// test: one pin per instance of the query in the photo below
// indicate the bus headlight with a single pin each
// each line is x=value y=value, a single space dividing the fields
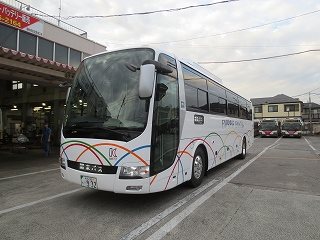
x=134 y=172
x=62 y=162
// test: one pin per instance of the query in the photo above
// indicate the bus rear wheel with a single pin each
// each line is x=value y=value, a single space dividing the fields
x=198 y=168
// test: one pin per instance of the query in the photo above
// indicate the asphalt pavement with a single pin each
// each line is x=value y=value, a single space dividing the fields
x=273 y=194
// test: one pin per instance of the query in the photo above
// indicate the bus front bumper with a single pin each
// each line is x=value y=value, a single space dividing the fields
x=291 y=133
x=106 y=182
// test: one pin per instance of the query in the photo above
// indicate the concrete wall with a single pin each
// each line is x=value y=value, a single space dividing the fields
x=69 y=39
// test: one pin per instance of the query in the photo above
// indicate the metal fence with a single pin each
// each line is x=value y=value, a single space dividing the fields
x=315 y=117
x=44 y=16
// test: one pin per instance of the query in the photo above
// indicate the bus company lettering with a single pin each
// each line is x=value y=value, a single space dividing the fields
x=229 y=123
x=113 y=154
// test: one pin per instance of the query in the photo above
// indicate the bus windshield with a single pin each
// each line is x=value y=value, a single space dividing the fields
x=104 y=101
x=291 y=126
x=271 y=126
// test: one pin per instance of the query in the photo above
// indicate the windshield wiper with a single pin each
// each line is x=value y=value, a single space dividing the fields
x=100 y=129
x=84 y=123
x=110 y=129
x=128 y=128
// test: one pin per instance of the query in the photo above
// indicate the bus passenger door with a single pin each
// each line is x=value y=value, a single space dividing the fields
x=165 y=129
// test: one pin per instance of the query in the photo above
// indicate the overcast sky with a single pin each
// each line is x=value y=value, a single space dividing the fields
x=289 y=75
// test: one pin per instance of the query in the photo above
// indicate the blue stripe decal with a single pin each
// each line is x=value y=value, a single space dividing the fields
x=133 y=150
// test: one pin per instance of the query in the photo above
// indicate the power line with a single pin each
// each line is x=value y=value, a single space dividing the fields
x=149 y=12
x=225 y=33
x=307 y=92
x=262 y=58
x=245 y=46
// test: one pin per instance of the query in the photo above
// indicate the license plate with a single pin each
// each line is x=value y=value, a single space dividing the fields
x=89 y=182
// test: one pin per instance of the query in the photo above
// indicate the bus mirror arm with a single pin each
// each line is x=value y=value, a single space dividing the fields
x=160 y=67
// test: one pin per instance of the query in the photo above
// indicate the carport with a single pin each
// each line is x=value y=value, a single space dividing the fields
x=30 y=93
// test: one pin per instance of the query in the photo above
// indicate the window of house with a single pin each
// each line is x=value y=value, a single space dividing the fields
x=27 y=43
x=45 y=49
x=16 y=85
x=8 y=37
x=291 y=107
x=273 y=108
x=258 y=109
x=75 y=58
x=61 y=54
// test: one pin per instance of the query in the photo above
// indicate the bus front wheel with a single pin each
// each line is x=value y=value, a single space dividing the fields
x=198 y=168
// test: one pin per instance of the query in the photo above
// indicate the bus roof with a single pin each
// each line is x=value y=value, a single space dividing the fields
x=187 y=62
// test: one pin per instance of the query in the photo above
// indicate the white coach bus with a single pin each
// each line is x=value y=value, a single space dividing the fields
x=141 y=120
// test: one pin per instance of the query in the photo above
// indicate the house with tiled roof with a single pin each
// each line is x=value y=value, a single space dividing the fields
x=278 y=107
x=315 y=112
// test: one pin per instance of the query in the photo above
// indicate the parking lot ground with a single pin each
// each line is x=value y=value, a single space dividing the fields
x=275 y=197
x=30 y=160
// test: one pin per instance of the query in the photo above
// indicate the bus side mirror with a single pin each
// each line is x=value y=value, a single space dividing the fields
x=147 y=73
x=146 y=80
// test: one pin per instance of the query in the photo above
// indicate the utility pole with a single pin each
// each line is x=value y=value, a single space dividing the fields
x=59 y=14
x=310 y=120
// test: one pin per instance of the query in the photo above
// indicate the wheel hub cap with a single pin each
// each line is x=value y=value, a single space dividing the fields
x=197 y=167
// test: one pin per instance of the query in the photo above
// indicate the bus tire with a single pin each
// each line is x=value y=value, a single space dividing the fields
x=243 y=153
x=198 y=168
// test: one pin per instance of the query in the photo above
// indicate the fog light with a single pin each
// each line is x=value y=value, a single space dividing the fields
x=134 y=188
x=134 y=172
x=62 y=162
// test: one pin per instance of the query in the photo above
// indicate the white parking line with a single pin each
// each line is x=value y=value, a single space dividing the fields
x=39 y=201
x=28 y=174
x=292 y=158
x=274 y=146
x=312 y=147
x=172 y=223
x=166 y=228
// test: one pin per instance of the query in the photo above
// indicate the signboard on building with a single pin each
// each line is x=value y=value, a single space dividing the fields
x=21 y=20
